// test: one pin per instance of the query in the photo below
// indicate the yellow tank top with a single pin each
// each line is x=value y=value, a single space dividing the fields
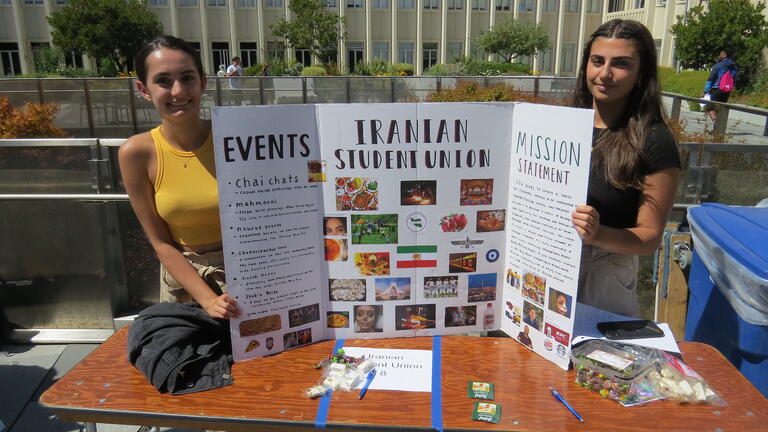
x=186 y=193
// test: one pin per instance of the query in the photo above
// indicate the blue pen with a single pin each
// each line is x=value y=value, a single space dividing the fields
x=560 y=398
x=368 y=380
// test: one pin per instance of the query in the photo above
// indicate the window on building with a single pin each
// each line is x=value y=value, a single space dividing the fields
x=354 y=54
x=58 y=2
x=550 y=6
x=187 y=3
x=381 y=4
x=10 y=59
x=657 y=43
x=431 y=4
x=5 y=2
x=217 y=3
x=37 y=50
x=639 y=4
x=158 y=3
x=455 y=4
x=568 y=59
x=526 y=5
x=594 y=6
x=523 y=59
x=33 y=2
x=245 y=3
x=405 y=52
x=479 y=4
x=546 y=61
x=249 y=54
x=502 y=4
x=615 y=5
x=273 y=3
x=476 y=52
x=429 y=55
x=74 y=60
x=303 y=56
x=453 y=51
x=220 y=54
x=381 y=50
x=406 y=4
x=572 y=6
x=275 y=50
x=355 y=4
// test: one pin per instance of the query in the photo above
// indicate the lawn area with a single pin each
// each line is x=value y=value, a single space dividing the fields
x=691 y=83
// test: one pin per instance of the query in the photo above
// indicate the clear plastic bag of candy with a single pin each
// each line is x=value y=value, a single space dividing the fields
x=674 y=380
x=340 y=372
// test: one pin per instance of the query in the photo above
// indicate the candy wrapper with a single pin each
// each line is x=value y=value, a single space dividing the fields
x=340 y=372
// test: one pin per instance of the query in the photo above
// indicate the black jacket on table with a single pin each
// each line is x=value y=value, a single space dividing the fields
x=180 y=348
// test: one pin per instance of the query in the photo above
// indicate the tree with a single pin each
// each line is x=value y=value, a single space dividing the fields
x=513 y=38
x=312 y=27
x=104 y=29
x=734 y=25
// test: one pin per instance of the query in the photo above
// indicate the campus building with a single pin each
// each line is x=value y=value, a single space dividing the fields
x=419 y=32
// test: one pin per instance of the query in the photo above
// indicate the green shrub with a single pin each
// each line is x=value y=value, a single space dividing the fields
x=487 y=68
x=314 y=71
x=253 y=70
x=281 y=67
x=450 y=69
x=468 y=91
x=404 y=69
x=107 y=68
x=377 y=67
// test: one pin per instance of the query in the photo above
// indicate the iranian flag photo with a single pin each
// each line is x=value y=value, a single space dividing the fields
x=416 y=256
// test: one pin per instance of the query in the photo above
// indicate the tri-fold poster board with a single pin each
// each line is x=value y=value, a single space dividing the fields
x=397 y=220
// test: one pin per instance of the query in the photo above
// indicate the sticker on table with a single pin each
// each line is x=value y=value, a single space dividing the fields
x=372 y=263
x=462 y=262
x=534 y=287
x=418 y=192
x=337 y=319
x=316 y=170
x=415 y=317
x=441 y=286
x=258 y=326
x=416 y=222
x=374 y=229
x=336 y=249
x=481 y=287
x=476 y=192
x=303 y=315
x=346 y=289
x=491 y=220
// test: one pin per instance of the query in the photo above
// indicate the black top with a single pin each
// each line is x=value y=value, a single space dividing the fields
x=618 y=207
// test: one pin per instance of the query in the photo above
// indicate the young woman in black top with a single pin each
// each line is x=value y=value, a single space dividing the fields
x=635 y=164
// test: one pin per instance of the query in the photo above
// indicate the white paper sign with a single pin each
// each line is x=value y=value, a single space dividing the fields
x=398 y=369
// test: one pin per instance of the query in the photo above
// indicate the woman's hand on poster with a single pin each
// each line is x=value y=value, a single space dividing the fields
x=223 y=306
x=586 y=220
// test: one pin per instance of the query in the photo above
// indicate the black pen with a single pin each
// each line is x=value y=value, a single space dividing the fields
x=560 y=398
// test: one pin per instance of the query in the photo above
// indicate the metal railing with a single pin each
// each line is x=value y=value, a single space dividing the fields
x=74 y=255
x=111 y=107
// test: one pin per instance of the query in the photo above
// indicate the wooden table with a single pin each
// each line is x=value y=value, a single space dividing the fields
x=268 y=394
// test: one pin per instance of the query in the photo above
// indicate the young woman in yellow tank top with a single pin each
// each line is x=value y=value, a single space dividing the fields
x=170 y=178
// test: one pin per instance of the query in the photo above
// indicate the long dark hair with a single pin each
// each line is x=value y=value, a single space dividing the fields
x=169 y=42
x=620 y=148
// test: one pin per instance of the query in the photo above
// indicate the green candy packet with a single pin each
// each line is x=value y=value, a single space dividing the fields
x=480 y=390
x=487 y=411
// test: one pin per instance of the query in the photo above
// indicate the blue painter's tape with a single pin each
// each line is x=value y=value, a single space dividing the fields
x=325 y=400
x=437 y=385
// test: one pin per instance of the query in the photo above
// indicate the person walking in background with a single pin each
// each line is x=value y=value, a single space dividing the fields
x=720 y=83
x=635 y=167
x=235 y=70
x=169 y=174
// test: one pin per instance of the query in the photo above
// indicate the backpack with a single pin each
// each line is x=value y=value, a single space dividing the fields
x=726 y=82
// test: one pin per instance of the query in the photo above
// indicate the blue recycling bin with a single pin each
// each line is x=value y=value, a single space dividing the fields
x=728 y=284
